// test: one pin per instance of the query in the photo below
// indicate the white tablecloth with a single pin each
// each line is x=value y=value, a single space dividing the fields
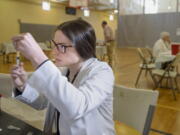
x=44 y=46
x=162 y=59
x=7 y=48
x=100 y=42
x=101 y=51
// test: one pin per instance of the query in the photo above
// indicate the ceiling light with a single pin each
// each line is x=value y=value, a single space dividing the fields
x=115 y=11
x=46 y=5
x=86 y=12
x=111 y=1
x=169 y=7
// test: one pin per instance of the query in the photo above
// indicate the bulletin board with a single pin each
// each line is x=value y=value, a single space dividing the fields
x=41 y=32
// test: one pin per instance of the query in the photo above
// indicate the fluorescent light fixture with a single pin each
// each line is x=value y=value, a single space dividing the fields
x=115 y=11
x=111 y=17
x=169 y=7
x=86 y=12
x=46 y=5
x=111 y=1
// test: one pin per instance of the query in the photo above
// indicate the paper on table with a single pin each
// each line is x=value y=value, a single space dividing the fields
x=165 y=53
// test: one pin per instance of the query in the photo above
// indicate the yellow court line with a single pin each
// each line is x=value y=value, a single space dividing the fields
x=168 y=107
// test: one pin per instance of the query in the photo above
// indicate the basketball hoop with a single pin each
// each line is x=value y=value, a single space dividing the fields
x=78 y=3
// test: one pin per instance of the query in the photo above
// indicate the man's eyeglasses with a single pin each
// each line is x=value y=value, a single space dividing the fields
x=61 y=47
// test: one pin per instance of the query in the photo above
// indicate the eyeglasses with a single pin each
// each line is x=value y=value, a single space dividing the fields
x=61 y=47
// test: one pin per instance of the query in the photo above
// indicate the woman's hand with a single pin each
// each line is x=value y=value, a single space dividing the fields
x=29 y=48
x=19 y=76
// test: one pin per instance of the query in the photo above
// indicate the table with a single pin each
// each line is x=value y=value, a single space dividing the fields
x=29 y=119
x=162 y=59
x=123 y=129
x=101 y=51
x=43 y=46
x=8 y=48
x=21 y=115
x=8 y=122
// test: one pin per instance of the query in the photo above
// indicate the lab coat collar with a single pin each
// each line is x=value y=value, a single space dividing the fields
x=81 y=73
x=87 y=63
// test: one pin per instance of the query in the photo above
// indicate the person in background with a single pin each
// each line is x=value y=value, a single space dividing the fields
x=162 y=45
x=109 y=41
x=79 y=98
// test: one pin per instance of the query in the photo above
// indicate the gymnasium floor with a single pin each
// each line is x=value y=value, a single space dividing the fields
x=167 y=115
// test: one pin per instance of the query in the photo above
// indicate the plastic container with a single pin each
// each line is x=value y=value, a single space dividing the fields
x=175 y=48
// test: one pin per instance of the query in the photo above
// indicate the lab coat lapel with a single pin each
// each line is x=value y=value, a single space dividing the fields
x=82 y=71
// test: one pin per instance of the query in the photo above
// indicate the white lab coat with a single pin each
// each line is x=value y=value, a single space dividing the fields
x=160 y=47
x=85 y=106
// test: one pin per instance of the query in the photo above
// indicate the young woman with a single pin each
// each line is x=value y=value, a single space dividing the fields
x=80 y=97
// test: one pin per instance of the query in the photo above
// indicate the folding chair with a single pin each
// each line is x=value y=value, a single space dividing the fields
x=6 y=85
x=168 y=73
x=135 y=108
x=144 y=66
x=152 y=58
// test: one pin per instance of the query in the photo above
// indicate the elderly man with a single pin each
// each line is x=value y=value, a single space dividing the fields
x=162 y=45
x=109 y=41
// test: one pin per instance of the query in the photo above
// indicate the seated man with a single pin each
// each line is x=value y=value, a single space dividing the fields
x=162 y=45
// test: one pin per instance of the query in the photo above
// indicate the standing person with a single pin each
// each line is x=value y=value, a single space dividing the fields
x=162 y=45
x=109 y=41
x=80 y=97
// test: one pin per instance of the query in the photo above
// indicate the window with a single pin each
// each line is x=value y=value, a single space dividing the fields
x=165 y=6
x=151 y=6
x=128 y=7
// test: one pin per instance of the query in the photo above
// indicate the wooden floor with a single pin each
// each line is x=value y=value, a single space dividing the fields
x=167 y=115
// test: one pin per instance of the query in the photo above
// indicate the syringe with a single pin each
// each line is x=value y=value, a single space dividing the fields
x=17 y=58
